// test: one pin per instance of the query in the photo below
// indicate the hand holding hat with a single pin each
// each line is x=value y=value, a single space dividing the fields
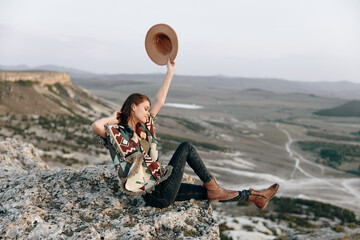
x=161 y=44
x=170 y=66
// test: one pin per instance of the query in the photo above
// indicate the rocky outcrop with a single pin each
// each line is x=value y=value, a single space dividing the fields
x=18 y=158
x=43 y=77
x=37 y=203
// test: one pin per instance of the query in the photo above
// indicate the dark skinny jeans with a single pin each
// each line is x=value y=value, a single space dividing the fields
x=172 y=189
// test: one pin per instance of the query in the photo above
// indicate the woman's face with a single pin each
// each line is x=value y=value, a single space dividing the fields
x=141 y=111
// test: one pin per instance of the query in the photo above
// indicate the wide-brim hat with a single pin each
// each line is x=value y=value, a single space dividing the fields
x=161 y=43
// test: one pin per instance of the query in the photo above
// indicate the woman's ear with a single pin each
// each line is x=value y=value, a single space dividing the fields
x=133 y=107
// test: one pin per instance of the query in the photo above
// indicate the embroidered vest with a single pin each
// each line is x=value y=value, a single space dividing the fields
x=138 y=170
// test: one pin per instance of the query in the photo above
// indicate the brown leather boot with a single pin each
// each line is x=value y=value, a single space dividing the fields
x=216 y=193
x=261 y=197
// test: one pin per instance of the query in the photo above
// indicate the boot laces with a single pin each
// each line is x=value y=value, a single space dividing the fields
x=216 y=182
x=262 y=190
x=257 y=193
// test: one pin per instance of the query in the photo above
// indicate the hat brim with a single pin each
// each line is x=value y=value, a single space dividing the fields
x=161 y=43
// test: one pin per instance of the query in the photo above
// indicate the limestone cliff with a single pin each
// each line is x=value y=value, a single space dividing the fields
x=43 y=77
x=38 y=203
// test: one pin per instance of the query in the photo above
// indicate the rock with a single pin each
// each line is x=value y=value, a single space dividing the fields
x=37 y=203
x=188 y=179
x=17 y=157
x=43 y=77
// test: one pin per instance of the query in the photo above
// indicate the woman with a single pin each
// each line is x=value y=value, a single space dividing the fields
x=130 y=137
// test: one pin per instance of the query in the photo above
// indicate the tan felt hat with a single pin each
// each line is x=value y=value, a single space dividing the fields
x=161 y=43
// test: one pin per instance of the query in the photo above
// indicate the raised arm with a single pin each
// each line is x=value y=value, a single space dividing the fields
x=98 y=126
x=161 y=94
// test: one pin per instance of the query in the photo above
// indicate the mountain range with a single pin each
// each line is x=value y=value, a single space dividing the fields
x=343 y=89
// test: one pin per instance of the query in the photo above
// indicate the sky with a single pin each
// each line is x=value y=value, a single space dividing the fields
x=303 y=40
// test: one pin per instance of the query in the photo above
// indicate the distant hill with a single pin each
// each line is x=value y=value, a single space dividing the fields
x=344 y=90
x=48 y=110
x=72 y=71
x=35 y=92
x=349 y=109
x=88 y=80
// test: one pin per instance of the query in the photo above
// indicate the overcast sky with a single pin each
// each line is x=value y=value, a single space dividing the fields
x=307 y=40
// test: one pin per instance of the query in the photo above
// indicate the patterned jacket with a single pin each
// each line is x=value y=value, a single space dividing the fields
x=135 y=160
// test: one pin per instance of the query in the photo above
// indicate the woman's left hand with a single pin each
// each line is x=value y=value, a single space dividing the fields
x=170 y=66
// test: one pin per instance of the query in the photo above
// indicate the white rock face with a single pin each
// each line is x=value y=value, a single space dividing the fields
x=37 y=203
x=17 y=157
x=43 y=77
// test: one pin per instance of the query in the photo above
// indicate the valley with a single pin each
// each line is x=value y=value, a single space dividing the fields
x=261 y=134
